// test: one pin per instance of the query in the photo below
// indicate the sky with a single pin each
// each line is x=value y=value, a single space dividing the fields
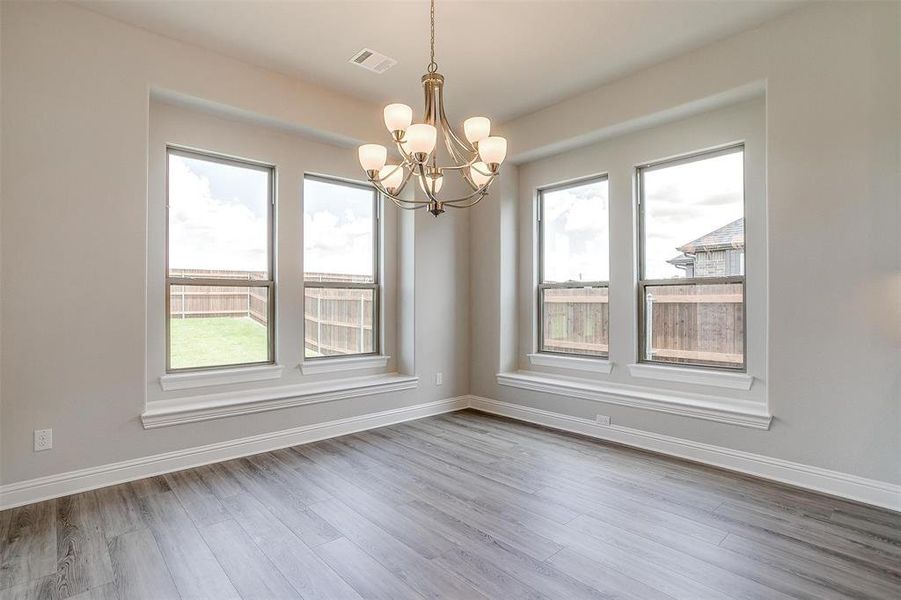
x=337 y=228
x=576 y=233
x=218 y=219
x=217 y=216
x=684 y=201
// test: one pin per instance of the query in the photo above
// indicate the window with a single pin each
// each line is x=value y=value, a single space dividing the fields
x=692 y=260
x=573 y=268
x=340 y=263
x=220 y=290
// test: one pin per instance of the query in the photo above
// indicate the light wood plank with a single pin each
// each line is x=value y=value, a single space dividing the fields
x=250 y=571
x=369 y=578
x=194 y=568
x=82 y=556
x=139 y=567
x=300 y=566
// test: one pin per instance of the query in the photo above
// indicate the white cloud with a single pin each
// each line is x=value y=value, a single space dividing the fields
x=207 y=232
x=576 y=233
x=338 y=229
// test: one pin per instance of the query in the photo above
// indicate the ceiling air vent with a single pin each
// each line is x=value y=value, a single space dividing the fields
x=372 y=61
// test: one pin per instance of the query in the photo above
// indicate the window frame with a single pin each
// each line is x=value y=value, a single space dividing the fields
x=375 y=285
x=268 y=283
x=542 y=285
x=643 y=284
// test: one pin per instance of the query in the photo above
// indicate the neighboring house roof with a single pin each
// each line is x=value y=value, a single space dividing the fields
x=728 y=236
x=681 y=260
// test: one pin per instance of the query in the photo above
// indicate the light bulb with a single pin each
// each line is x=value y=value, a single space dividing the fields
x=421 y=138
x=476 y=129
x=391 y=177
x=432 y=187
x=372 y=156
x=398 y=117
x=477 y=173
x=493 y=150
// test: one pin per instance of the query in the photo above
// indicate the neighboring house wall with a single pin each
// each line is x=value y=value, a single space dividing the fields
x=716 y=263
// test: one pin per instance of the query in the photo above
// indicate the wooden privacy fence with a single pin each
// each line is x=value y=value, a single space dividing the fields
x=688 y=323
x=338 y=321
x=199 y=301
x=576 y=320
x=696 y=323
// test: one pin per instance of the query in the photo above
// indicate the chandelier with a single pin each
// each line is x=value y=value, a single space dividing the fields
x=477 y=159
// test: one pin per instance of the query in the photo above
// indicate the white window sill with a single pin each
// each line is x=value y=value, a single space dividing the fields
x=161 y=413
x=338 y=364
x=575 y=363
x=720 y=379
x=196 y=379
x=724 y=410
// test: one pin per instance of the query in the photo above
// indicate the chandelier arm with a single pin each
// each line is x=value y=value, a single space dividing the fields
x=469 y=180
x=381 y=189
x=459 y=153
x=465 y=146
x=400 y=204
x=482 y=190
x=425 y=187
x=473 y=203
x=408 y=159
x=403 y=182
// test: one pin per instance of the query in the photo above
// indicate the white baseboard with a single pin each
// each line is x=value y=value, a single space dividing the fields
x=843 y=485
x=835 y=483
x=54 y=486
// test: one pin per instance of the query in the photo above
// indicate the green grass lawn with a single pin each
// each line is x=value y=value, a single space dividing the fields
x=208 y=342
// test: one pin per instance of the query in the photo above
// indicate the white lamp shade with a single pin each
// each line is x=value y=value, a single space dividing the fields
x=477 y=173
x=493 y=150
x=398 y=117
x=421 y=138
x=391 y=177
x=372 y=156
x=439 y=181
x=476 y=129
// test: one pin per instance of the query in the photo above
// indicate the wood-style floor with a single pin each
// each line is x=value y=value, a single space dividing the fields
x=458 y=506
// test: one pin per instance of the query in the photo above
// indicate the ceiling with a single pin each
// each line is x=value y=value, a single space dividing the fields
x=501 y=59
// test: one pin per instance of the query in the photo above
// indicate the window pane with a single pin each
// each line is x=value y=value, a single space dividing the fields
x=218 y=219
x=575 y=320
x=338 y=230
x=575 y=240
x=217 y=325
x=338 y=321
x=700 y=324
x=694 y=218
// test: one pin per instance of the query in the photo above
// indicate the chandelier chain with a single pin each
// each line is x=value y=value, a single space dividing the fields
x=433 y=66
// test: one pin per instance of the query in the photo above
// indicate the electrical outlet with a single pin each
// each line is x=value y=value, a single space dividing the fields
x=603 y=420
x=439 y=378
x=43 y=439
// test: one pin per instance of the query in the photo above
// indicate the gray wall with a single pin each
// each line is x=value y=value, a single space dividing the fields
x=75 y=121
x=74 y=208
x=834 y=364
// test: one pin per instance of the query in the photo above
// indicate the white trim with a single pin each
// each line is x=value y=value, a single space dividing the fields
x=350 y=363
x=575 y=363
x=720 y=379
x=195 y=379
x=54 y=486
x=835 y=483
x=160 y=413
x=711 y=408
